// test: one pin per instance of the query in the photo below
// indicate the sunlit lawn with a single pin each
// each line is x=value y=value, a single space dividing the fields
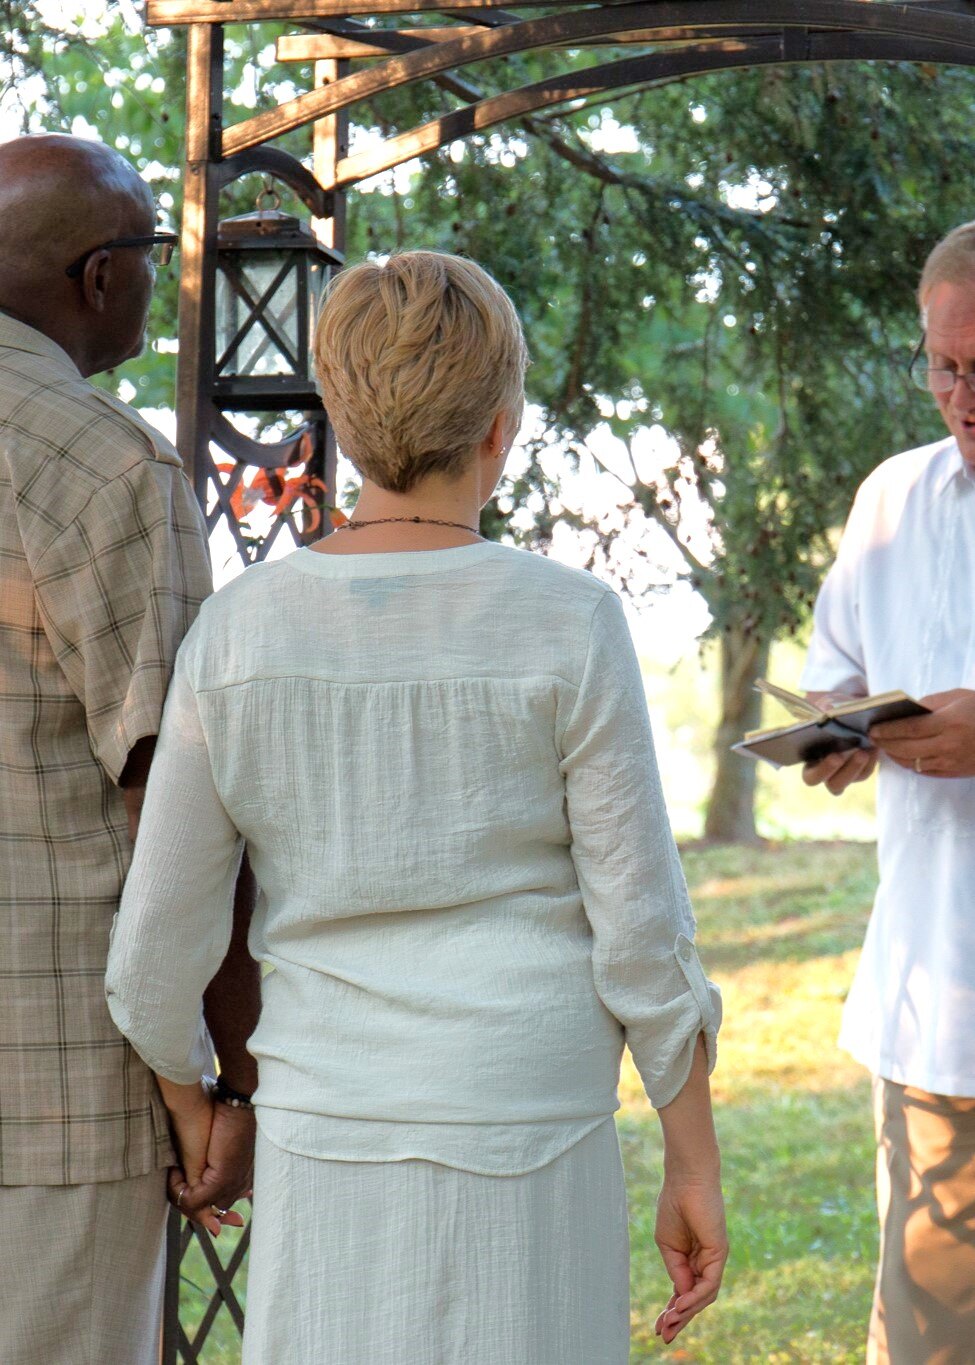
x=779 y=930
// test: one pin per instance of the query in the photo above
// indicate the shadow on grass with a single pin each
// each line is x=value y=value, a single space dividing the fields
x=783 y=903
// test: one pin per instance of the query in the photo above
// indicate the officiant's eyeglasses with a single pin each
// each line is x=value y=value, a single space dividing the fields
x=935 y=378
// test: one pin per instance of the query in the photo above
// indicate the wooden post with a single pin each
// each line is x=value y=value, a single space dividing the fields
x=330 y=143
x=198 y=243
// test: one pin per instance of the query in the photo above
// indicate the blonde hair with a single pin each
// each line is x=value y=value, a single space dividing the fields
x=952 y=261
x=416 y=358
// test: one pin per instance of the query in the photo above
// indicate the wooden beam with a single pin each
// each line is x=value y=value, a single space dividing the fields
x=644 y=71
x=862 y=15
x=323 y=47
x=172 y=13
x=330 y=145
x=647 y=69
x=310 y=47
x=737 y=17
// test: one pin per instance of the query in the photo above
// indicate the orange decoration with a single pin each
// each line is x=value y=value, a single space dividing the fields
x=281 y=489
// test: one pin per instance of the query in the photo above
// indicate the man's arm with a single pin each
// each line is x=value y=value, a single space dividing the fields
x=133 y=780
x=232 y=1001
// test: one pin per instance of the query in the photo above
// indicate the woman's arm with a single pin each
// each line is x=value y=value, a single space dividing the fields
x=171 y=936
x=645 y=967
x=690 y=1231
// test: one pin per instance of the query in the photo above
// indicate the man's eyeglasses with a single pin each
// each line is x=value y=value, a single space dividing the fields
x=935 y=378
x=160 y=245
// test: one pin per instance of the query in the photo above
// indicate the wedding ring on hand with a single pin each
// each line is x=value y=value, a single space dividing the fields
x=179 y=1197
x=917 y=766
x=221 y=1213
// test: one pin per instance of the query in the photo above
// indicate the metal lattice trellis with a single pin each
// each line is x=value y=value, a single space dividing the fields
x=353 y=62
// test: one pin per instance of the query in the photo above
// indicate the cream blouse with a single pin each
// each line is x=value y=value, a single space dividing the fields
x=441 y=764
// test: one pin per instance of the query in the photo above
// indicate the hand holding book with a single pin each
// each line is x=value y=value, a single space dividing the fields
x=821 y=729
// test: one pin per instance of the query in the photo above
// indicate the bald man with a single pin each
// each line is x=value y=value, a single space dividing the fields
x=103 y=565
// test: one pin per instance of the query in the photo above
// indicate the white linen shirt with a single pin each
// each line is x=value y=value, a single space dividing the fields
x=896 y=611
x=442 y=766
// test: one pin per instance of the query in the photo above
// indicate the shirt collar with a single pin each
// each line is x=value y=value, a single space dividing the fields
x=952 y=468
x=18 y=336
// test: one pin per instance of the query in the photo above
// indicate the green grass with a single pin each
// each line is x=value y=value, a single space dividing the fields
x=779 y=930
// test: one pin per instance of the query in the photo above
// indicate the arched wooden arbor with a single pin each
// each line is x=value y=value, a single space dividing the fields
x=361 y=49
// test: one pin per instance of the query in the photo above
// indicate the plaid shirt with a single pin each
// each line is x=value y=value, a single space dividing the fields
x=103 y=565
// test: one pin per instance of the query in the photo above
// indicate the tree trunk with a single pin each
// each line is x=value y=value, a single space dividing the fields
x=731 y=805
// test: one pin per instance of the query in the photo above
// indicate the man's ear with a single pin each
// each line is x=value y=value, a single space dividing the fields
x=95 y=280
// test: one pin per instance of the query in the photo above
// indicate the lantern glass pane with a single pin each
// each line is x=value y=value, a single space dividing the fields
x=259 y=317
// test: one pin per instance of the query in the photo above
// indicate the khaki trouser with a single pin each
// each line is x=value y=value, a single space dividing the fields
x=81 y=1272
x=924 y=1303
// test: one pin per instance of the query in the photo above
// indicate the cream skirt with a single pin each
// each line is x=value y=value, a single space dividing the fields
x=414 y=1263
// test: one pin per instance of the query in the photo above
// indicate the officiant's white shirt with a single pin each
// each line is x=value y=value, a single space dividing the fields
x=897 y=610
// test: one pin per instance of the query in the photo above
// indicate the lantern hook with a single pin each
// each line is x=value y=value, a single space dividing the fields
x=268 y=201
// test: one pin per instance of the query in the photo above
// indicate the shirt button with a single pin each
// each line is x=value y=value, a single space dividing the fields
x=685 y=951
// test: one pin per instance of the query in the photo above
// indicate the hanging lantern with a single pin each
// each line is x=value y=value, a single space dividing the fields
x=270 y=275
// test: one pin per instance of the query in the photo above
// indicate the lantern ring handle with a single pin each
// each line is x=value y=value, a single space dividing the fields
x=268 y=193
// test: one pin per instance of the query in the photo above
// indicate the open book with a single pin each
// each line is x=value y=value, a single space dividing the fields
x=822 y=730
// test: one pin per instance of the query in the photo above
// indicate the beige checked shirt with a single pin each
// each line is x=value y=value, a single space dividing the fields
x=103 y=566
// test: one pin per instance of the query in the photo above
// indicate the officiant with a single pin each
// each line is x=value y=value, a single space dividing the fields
x=895 y=612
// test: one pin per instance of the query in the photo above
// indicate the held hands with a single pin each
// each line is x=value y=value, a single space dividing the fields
x=215 y=1145
x=691 y=1237
x=939 y=745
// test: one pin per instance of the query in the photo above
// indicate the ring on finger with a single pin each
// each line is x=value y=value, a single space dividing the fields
x=917 y=766
x=221 y=1213
x=179 y=1197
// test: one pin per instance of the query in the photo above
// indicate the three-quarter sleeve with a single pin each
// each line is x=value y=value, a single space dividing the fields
x=646 y=969
x=117 y=590
x=835 y=660
x=174 y=923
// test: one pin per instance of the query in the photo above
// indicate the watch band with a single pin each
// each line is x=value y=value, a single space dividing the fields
x=224 y=1094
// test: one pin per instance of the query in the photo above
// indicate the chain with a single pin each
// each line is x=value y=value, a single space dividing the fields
x=417 y=521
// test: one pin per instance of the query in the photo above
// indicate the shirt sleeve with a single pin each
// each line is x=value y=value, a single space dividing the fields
x=835 y=660
x=645 y=965
x=174 y=923
x=117 y=590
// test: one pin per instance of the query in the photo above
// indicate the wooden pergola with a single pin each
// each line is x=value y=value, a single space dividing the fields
x=361 y=49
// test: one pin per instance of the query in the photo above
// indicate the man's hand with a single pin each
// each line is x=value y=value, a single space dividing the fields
x=839 y=771
x=939 y=745
x=227 y=1175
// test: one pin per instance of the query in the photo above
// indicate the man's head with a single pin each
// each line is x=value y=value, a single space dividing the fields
x=946 y=296
x=61 y=197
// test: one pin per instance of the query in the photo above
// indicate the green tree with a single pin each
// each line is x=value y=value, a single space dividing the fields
x=717 y=274
x=741 y=279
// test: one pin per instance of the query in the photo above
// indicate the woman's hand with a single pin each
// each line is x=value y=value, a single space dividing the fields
x=191 y=1118
x=692 y=1240
x=690 y=1230
x=191 y=1121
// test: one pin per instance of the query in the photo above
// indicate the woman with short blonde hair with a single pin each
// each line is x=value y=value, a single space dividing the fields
x=471 y=896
